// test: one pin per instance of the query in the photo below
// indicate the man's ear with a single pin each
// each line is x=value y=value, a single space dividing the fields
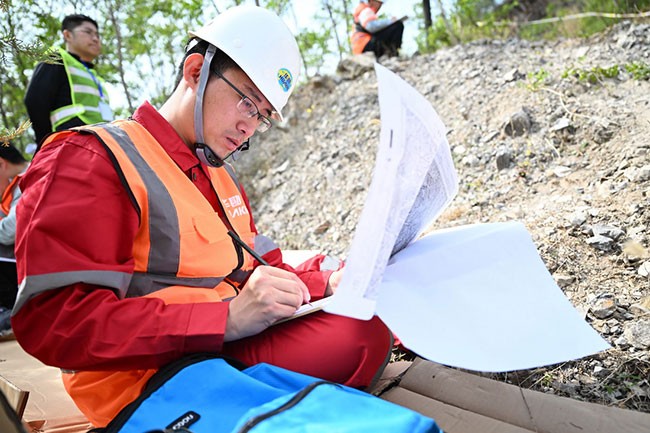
x=192 y=69
x=67 y=35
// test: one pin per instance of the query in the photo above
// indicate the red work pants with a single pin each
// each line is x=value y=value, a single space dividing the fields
x=331 y=347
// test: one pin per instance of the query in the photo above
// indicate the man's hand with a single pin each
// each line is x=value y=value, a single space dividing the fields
x=333 y=282
x=269 y=295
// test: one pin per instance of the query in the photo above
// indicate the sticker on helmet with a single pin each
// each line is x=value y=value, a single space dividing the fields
x=285 y=79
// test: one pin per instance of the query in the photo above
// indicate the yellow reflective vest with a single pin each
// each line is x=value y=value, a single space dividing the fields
x=88 y=94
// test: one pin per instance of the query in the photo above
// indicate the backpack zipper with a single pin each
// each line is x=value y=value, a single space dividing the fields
x=286 y=406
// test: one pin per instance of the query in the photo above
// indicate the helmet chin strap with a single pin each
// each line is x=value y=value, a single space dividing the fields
x=208 y=157
x=202 y=150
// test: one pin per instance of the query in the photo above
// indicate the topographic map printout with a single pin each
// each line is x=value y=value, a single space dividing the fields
x=414 y=179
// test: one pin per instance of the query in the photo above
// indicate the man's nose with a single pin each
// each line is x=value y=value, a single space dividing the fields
x=247 y=126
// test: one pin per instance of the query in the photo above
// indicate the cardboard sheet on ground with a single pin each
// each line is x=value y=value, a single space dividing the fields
x=49 y=408
x=477 y=297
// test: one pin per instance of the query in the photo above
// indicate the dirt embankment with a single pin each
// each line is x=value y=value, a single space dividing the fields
x=547 y=133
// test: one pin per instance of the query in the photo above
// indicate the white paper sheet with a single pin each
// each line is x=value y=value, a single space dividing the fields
x=414 y=179
x=479 y=297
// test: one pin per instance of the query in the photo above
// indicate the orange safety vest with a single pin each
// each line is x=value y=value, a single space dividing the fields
x=180 y=235
x=8 y=195
x=359 y=39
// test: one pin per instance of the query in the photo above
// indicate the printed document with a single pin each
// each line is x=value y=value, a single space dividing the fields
x=414 y=180
x=476 y=297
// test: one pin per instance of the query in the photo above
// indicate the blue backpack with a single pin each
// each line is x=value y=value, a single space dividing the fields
x=205 y=393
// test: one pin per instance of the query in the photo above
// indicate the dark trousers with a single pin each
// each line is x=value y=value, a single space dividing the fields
x=387 y=41
x=8 y=284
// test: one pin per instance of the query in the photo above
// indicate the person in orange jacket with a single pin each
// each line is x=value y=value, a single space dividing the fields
x=12 y=165
x=134 y=236
x=372 y=34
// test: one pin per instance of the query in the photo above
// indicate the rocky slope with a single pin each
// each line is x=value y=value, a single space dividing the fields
x=547 y=133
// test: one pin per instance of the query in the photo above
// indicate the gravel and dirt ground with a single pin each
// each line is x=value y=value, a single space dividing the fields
x=555 y=134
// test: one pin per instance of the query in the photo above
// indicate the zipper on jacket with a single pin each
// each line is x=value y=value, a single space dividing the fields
x=251 y=423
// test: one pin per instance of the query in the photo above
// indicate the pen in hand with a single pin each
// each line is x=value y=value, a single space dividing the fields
x=245 y=246
x=250 y=251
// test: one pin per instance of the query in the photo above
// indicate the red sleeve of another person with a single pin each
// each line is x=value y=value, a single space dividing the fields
x=75 y=215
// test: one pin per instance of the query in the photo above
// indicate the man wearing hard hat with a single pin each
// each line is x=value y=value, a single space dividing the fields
x=133 y=237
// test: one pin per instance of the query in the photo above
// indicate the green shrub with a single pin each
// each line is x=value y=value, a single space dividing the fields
x=594 y=75
x=535 y=80
x=638 y=70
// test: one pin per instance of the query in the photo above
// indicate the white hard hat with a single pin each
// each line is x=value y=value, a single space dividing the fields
x=263 y=47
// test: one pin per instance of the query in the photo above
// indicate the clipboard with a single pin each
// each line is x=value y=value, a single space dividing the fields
x=307 y=309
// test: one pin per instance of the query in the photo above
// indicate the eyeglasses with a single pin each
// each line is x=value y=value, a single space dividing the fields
x=89 y=32
x=247 y=107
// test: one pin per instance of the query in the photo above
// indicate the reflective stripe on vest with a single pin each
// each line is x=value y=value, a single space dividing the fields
x=84 y=93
